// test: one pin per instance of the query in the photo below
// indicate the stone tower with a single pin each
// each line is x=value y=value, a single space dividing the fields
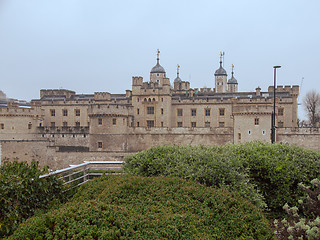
x=157 y=73
x=232 y=83
x=220 y=77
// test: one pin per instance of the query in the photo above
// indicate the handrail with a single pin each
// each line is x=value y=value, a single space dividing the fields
x=81 y=173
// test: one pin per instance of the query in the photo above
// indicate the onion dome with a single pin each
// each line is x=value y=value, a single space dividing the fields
x=220 y=71
x=232 y=80
x=178 y=79
x=158 y=68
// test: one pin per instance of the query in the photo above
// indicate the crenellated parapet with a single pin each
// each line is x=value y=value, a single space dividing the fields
x=102 y=96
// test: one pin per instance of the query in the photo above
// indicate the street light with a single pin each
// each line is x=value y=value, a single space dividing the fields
x=273 y=117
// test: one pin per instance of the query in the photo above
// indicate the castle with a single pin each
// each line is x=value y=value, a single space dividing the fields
x=63 y=127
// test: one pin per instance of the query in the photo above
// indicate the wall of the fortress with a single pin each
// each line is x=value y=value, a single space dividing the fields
x=303 y=137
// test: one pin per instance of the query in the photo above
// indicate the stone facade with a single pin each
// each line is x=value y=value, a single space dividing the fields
x=63 y=127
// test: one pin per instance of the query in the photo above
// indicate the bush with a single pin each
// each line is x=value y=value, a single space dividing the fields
x=275 y=169
x=22 y=193
x=307 y=224
x=127 y=207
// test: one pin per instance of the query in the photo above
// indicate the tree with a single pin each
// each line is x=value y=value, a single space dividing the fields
x=312 y=106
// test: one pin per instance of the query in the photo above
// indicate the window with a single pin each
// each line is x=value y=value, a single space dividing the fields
x=77 y=124
x=193 y=124
x=263 y=132
x=150 y=110
x=161 y=99
x=53 y=124
x=249 y=132
x=207 y=124
x=221 y=124
x=221 y=111
x=193 y=112
x=239 y=136
x=280 y=111
x=256 y=121
x=100 y=145
x=29 y=126
x=114 y=121
x=179 y=112
x=138 y=99
x=161 y=111
x=179 y=124
x=2 y=125
x=161 y=124
x=77 y=112
x=99 y=121
x=150 y=123
x=138 y=124
x=65 y=112
x=280 y=124
x=207 y=112
x=65 y=124
x=138 y=111
x=53 y=112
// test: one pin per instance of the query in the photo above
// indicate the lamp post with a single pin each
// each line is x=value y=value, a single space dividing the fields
x=273 y=117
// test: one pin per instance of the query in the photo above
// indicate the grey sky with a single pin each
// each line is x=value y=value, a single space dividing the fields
x=98 y=45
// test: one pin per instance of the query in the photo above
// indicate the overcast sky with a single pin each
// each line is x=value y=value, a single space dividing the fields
x=98 y=45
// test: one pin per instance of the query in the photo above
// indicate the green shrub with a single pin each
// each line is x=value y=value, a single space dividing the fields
x=307 y=224
x=128 y=207
x=275 y=169
x=22 y=193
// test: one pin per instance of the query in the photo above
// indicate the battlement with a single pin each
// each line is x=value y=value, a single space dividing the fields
x=56 y=92
x=293 y=90
x=137 y=81
x=102 y=96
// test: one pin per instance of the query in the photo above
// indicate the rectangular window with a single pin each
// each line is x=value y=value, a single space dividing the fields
x=161 y=124
x=280 y=111
x=256 y=121
x=150 y=110
x=53 y=124
x=99 y=121
x=150 y=123
x=221 y=111
x=221 y=124
x=161 y=111
x=65 y=112
x=138 y=111
x=77 y=112
x=138 y=124
x=114 y=121
x=77 y=124
x=193 y=112
x=207 y=124
x=65 y=124
x=207 y=112
x=29 y=126
x=179 y=124
x=239 y=136
x=53 y=112
x=2 y=125
x=193 y=124
x=100 y=145
x=179 y=112
x=280 y=124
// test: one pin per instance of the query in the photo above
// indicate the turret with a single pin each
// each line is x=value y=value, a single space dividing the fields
x=220 y=77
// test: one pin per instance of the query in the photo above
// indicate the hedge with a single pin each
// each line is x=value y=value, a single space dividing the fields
x=260 y=172
x=128 y=207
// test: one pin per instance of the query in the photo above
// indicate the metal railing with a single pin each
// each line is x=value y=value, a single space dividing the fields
x=76 y=175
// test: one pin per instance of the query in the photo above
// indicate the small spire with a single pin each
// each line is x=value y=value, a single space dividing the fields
x=232 y=70
x=178 y=67
x=158 y=53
